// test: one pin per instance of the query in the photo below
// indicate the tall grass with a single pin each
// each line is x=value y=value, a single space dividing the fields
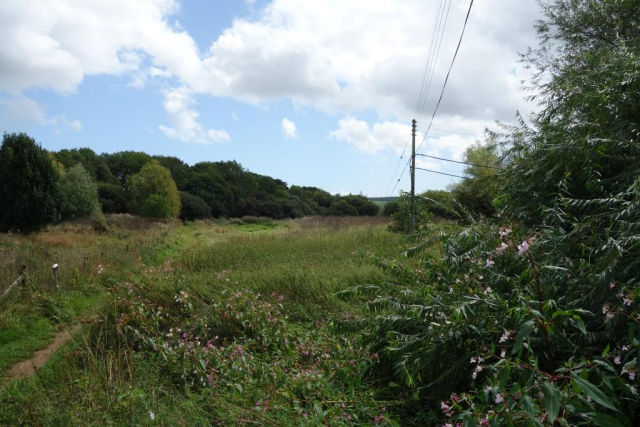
x=110 y=375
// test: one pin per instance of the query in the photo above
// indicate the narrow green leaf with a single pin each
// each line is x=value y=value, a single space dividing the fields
x=551 y=400
x=527 y=405
x=523 y=333
x=603 y=420
x=580 y=324
x=592 y=391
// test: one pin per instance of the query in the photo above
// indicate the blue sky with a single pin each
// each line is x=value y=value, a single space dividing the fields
x=317 y=94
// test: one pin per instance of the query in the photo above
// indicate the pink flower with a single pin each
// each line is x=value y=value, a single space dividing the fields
x=503 y=232
x=627 y=301
x=523 y=247
x=499 y=398
x=503 y=246
x=281 y=298
x=612 y=285
x=617 y=360
x=490 y=263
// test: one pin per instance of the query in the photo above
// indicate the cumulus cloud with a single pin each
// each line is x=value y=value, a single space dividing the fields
x=327 y=55
x=21 y=109
x=371 y=140
x=183 y=117
x=288 y=129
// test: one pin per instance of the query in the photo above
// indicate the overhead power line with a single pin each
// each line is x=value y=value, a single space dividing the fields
x=442 y=173
x=456 y=161
x=448 y=73
x=426 y=82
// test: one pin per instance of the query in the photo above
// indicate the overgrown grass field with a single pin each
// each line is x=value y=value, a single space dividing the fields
x=198 y=324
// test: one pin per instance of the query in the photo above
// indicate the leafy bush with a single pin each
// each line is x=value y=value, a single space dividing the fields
x=112 y=198
x=476 y=194
x=390 y=208
x=402 y=216
x=156 y=207
x=154 y=179
x=343 y=208
x=440 y=203
x=193 y=207
x=78 y=193
x=28 y=185
x=536 y=322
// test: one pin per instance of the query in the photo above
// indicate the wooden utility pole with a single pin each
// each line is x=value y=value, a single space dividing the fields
x=412 y=224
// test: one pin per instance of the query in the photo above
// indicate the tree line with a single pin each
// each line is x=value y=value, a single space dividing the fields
x=40 y=187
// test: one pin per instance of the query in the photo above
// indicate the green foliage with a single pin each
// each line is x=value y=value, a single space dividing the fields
x=92 y=163
x=440 y=203
x=390 y=208
x=402 y=216
x=535 y=322
x=342 y=207
x=193 y=207
x=476 y=194
x=156 y=207
x=112 y=198
x=179 y=169
x=125 y=164
x=207 y=182
x=28 y=185
x=154 y=179
x=78 y=193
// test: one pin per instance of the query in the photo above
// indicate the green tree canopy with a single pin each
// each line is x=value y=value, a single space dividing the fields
x=125 y=163
x=28 y=185
x=79 y=196
x=193 y=207
x=92 y=163
x=476 y=193
x=154 y=179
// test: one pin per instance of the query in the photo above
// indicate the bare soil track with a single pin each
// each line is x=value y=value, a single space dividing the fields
x=28 y=367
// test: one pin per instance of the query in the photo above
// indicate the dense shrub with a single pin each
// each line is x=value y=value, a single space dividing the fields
x=536 y=321
x=156 y=207
x=343 y=208
x=193 y=207
x=79 y=196
x=390 y=208
x=476 y=194
x=28 y=185
x=112 y=198
x=441 y=203
x=402 y=216
x=154 y=179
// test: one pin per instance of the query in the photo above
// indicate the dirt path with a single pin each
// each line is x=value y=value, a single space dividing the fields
x=27 y=368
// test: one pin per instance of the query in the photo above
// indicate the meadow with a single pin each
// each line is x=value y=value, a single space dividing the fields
x=207 y=323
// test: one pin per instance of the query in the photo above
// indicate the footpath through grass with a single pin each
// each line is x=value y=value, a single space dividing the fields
x=212 y=325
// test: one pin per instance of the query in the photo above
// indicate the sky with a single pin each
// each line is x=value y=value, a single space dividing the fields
x=316 y=93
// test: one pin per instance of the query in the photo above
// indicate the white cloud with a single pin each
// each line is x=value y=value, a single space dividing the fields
x=371 y=140
x=234 y=117
x=288 y=129
x=21 y=109
x=184 y=120
x=328 y=55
